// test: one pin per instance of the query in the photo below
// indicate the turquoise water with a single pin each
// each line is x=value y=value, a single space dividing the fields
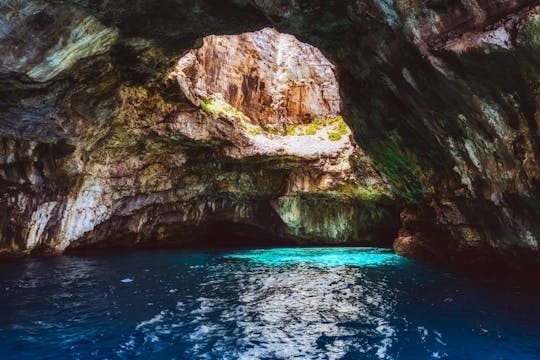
x=320 y=257
x=298 y=303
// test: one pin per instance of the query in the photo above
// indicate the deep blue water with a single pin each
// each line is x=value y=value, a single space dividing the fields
x=339 y=303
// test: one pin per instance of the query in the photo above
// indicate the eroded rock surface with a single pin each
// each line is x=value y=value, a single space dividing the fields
x=441 y=96
x=272 y=78
x=150 y=168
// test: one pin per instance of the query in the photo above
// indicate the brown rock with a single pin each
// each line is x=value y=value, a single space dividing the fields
x=270 y=77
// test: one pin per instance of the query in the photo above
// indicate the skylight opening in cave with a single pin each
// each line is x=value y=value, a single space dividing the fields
x=280 y=94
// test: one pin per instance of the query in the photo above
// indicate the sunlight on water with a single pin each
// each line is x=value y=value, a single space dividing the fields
x=325 y=257
x=285 y=303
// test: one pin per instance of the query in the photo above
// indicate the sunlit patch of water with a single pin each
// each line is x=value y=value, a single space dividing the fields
x=313 y=303
x=323 y=257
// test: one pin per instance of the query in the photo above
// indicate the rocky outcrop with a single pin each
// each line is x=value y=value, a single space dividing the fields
x=106 y=135
x=147 y=166
x=41 y=41
x=450 y=120
x=488 y=125
x=272 y=78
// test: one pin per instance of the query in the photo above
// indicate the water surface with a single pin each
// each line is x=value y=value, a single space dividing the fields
x=298 y=303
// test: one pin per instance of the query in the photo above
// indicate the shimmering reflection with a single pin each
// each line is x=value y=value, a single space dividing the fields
x=258 y=304
x=284 y=308
x=300 y=313
x=324 y=257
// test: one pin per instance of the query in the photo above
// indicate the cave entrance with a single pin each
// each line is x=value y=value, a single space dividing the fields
x=270 y=82
x=265 y=108
x=227 y=234
x=209 y=235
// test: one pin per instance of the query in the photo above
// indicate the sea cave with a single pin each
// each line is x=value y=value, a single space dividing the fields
x=268 y=179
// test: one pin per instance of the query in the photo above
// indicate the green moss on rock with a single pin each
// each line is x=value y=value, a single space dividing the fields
x=345 y=215
x=400 y=168
x=530 y=33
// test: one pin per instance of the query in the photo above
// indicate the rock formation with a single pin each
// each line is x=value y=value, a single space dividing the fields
x=272 y=78
x=138 y=122
x=148 y=170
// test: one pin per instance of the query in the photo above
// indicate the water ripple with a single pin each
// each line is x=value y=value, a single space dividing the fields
x=258 y=304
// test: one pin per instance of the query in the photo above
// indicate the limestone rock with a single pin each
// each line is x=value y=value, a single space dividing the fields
x=269 y=95
x=161 y=171
x=270 y=77
x=439 y=100
x=42 y=41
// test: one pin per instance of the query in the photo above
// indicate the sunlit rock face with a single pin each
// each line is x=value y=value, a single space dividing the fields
x=272 y=78
x=267 y=94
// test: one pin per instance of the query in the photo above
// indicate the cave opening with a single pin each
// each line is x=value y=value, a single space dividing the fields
x=261 y=129
x=232 y=235
x=276 y=103
x=209 y=236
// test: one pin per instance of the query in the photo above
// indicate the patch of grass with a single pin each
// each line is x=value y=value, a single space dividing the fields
x=336 y=123
x=341 y=129
x=291 y=130
x=217 y=107
x=312 y=129
x=209 y=108
x=318 y=121
x=334 y=136
x=328 y=121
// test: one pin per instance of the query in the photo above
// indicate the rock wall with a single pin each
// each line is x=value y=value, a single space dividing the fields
x=150 y=156
x=442 y=97
x=272 y=78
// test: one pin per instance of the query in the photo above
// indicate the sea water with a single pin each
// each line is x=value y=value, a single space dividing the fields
x=284 y=303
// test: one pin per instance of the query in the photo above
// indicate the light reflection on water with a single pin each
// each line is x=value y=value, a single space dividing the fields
x=312 y=303
x=302 y=314
x=323 y=257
